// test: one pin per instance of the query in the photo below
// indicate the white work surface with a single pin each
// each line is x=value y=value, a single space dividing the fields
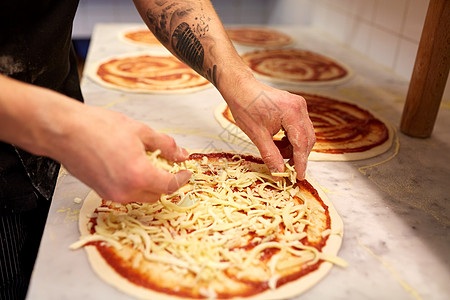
x=395 y=207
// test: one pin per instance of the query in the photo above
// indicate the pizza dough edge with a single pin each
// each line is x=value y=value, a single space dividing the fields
x=371 y=153
x=91 y=72
x=122 y=38
x=305 y=84
x=98 y=264
x=227 y=125
x=291 y=42
x=332 y=247
x=296 y=83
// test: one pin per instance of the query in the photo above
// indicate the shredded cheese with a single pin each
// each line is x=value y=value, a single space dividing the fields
x=231 y=215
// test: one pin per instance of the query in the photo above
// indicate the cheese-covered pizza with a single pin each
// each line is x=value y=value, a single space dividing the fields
x=258 y=36
x=296 y=66
x=146 y=73
x=231 y=232
x=344 y=131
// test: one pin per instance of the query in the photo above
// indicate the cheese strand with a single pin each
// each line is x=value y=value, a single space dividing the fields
x=230 y=216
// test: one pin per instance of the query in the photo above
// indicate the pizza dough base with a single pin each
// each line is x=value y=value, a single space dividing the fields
x=306 y=83
x=288 y=290
x=91 y=72
x=124 y=39
x=315 y=156
x=250 y=44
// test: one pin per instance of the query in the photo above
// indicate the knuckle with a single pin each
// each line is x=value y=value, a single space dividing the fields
x=313 y=140
x=143 y=129
x=267 y=157
x=272 y=162
x=135 y=178
x=120 y=118
x=171 y=144
x=300 y=104
x=118 y=195
x=122 y=198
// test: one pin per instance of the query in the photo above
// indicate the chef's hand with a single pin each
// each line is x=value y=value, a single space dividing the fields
x=203 y=44
x=108 y=152
x=261 y=111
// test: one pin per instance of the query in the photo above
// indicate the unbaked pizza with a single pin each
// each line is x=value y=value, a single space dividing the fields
x=147 y=74
x=259 y=37
x=296 y=66
x=232 y=232
x=344 y=131
x=139 y=36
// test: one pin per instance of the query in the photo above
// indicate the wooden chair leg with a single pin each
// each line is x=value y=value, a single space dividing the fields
x=430 y=72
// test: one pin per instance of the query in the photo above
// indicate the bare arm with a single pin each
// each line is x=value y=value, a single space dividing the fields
x=192 y=31
x=104 y=149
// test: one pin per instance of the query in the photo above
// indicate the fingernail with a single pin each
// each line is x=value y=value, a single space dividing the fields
x=301 y=176
x=279 y=169
x=183 y=176
x=182 y=154
x=179 y=180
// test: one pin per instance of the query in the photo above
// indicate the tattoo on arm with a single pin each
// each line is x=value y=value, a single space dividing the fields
x=187 y=46
x=184 y=39
x=211 y=75
x=160 y=22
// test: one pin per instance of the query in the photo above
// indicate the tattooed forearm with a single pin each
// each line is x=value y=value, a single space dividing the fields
x=187 y=46
x=211 y=75
x=158 y=26
x=160 y=21
x=170 y=22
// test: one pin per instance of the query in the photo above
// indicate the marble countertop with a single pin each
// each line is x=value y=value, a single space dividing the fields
x=395 y=207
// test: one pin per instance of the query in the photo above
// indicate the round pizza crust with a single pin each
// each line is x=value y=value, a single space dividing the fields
x=288 y=290
x=373 y=152
x=259 y=37
x=275 y=73
x=314 y=156
x=149 y=41
x=91 y=72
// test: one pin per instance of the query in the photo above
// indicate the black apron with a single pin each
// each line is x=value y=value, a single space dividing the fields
x=35 y=47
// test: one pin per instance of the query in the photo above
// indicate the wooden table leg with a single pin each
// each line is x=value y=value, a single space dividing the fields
x=430 y=72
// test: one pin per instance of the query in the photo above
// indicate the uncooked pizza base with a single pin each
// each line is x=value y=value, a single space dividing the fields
x=288 y=290
x=150 y=41
x=259 y=37
x=284 y=79
x=314 y=156
x=91 y=72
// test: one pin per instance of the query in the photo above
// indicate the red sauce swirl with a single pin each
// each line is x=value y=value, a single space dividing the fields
x=294 y=65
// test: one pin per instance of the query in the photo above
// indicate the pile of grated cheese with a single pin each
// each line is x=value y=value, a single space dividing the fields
x=226 y=218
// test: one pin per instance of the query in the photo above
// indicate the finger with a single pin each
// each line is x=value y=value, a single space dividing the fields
x=178 y=180
x=161 y=182
x=299 y=136
x=154 y=140
x=142 y=197
x=166 y=183
x=269 y=152
x=300 y=133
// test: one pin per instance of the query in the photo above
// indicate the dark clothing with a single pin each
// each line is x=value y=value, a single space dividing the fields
x=35 y=47
x=20 y=235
